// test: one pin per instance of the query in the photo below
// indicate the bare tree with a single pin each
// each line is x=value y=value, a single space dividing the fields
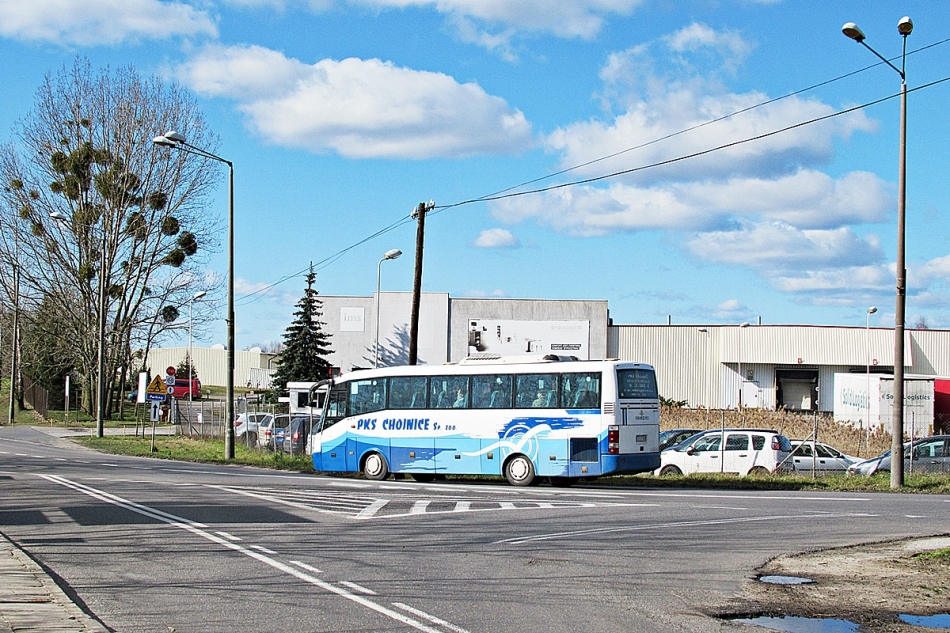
x=89 y=204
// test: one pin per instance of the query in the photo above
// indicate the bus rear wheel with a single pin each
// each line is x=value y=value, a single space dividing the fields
x=519 y=471
x=375 y=467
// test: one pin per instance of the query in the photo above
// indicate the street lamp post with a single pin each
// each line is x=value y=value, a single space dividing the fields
x=392 y=254
x=867 y=358
x=905 y=26
x=101 y=360
x=191 y=321
x=175 y=140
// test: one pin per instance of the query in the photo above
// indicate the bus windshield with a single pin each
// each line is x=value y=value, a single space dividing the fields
x=637 y=384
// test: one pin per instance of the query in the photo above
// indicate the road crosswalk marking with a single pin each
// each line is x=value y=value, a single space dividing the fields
x=367 y=506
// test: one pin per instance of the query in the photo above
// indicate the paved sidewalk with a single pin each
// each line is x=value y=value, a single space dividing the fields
x=32 y=602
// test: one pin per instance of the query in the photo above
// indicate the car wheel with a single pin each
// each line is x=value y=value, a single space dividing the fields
x=759 y=471
x=375 y=467
x=519 y=471
x=564 y=482
x=670 y=471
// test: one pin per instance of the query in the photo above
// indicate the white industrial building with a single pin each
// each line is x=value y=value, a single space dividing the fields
x=772 y=366
x=450 y=329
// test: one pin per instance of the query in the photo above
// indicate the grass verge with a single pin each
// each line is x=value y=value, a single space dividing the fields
x=195 y=450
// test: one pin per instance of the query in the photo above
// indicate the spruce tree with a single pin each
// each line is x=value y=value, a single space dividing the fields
x=306 y=345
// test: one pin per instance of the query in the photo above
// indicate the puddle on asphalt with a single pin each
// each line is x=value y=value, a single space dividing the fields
x=939 y=621
x=786 y=580
x=803 y=625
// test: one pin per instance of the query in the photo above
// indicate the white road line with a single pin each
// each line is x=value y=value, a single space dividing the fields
x=419 y=507
x=303 y=565
x=230 y=537
x=507 y=505
x=462 y=506
x=356 y=587
x=520 y=540
x=191 y=526
x=262 y=549
x=272 y=499
x=430 y=618
x=25 y=455
x=371 y=510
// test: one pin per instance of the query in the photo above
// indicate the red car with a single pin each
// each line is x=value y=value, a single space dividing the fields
x=183 y=387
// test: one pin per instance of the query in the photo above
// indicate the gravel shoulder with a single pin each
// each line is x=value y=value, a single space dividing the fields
x=867 y=584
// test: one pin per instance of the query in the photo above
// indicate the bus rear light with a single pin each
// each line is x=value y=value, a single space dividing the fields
x=613 y=440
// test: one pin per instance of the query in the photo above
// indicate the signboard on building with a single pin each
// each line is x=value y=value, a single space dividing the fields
x=511 y=338
x=352 y=319
x=867 y=402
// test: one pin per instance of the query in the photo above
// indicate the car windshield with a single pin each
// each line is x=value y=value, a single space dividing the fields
x=685 y=444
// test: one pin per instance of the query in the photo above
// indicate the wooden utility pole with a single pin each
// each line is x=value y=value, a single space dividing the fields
x=419 y=213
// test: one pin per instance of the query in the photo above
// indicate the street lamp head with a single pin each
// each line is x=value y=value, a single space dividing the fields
x=163 y=141
x=744 y=324
x=851 y=30
x=872 y=310
x=198 y=295
x=704 y=330
x=393 y=254
x=56 y=215
x=905 y=26
x=174 y=137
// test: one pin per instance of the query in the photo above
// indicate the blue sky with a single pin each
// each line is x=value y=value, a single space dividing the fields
x=342 y=115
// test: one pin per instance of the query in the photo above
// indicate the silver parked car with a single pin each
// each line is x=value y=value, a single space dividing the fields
x=820 y=459
x=926 y=455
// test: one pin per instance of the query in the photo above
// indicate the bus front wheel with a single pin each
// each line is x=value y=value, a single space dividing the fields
x=519 y=471
x=375 y=467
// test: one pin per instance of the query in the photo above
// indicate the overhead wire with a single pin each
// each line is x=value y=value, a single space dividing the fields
x=509 y=192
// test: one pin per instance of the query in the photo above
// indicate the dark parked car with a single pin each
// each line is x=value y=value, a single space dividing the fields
x=926 y=455
x=295 y=439
x=675 y=436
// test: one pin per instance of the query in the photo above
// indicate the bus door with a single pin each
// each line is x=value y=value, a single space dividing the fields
x=332 y=444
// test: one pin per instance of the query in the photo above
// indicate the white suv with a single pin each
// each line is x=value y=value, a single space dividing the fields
x=744 y=452
x=247 y=423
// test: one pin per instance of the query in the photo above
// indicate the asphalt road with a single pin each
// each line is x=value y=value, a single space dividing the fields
x=159 y=546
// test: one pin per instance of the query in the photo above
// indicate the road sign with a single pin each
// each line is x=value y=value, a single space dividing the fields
x=170 y=370
x=156 y=390
x=155 y=412
x=171 y=390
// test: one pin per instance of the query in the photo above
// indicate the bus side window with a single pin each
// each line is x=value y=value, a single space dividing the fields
x=580 y=391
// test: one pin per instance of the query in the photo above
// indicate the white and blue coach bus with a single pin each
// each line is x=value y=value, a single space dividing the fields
x=519 y=417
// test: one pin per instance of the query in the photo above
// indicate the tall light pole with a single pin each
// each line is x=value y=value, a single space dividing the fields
x=175 y=140
x=191 y=321
x=905 y=26
x=101 y=361
x=742 y=326
x=393 y=254
x=867 y=358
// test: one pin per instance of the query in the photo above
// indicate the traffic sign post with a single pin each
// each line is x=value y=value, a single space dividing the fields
x=156 y=390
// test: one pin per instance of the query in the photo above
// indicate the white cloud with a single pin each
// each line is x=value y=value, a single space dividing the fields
x=576 y=18
x=806 y=199
x=699 y=37
x=773 y=247
x=497 y=238
x=358 y=108
x=731 y=310
x=101 y=22
x=656 y=129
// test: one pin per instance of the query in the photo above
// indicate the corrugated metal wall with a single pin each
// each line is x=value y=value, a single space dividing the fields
x=210 y=363
x=700 y=363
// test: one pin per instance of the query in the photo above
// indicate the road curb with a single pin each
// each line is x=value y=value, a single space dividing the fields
x=30 y=600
